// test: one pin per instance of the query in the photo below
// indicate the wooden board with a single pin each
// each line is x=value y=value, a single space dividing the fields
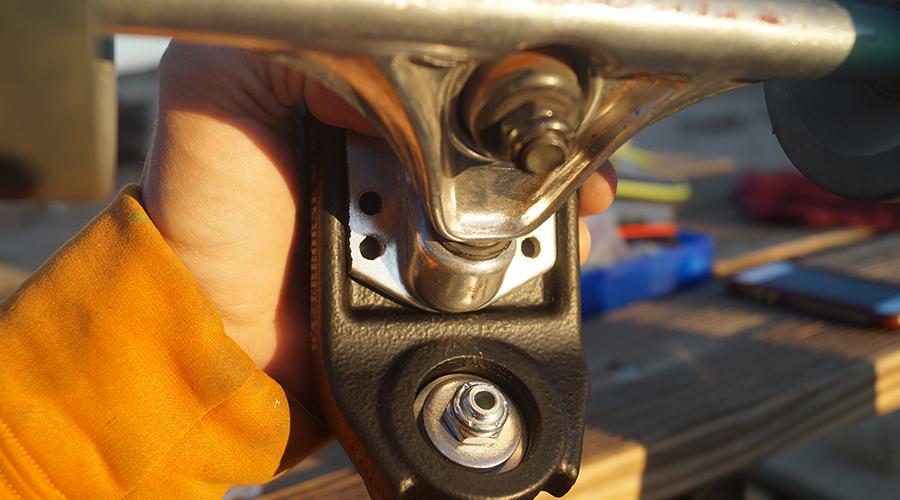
x=699 y=385
x=835 y=238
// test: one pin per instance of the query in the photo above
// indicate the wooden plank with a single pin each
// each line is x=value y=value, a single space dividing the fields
x=736 y=237
x=792 y=249
x=878 y=259
x=729 y=401
x=693 y=166
x=700 y=385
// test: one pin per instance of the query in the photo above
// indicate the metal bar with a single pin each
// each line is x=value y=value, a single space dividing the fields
x=795 y=39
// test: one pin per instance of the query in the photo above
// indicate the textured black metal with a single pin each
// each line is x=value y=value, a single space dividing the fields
x=372 y=357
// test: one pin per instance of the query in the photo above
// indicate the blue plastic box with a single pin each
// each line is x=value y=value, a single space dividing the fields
x=646 y=276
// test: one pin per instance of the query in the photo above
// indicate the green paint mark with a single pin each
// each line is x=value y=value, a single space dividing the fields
x=138 y=217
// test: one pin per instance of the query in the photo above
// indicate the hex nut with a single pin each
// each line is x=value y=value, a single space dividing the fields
x=476 y=414
x=509 y=105
x=489 y=452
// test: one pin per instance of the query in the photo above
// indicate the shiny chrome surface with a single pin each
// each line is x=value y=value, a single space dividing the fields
x=394 y=249
x=476 y=414
x=456 y=438
x=403 y=63
x=762 y=39
x=524 y=108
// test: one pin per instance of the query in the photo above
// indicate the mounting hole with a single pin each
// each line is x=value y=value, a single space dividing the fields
x=531 y=247
x=485 y=400
x=370 y=203
x=371 y=248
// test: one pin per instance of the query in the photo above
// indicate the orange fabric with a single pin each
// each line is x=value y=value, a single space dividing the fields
x=118 y=380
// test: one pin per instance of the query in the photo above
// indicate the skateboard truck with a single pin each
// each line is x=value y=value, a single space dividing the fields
x=445 y=270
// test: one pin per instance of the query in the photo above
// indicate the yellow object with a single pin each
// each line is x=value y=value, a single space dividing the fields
x=118 y=381
x=654 y=191
x=628 y=152
x=641 y=178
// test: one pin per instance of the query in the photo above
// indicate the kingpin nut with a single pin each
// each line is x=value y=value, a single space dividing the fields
x=477 y=413
x=524 y=109
x=471 y=422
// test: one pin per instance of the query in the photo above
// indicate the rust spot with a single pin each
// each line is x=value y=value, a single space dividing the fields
x=729 y=15
x=704 y=9
x=769 y=17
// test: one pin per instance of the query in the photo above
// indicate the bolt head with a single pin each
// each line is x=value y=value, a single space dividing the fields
x=536 y=139
x=511 y=102
x=544 y=153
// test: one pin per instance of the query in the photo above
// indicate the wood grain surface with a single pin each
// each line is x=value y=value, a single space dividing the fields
x=698 y=385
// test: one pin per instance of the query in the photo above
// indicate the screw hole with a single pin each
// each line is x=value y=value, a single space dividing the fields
x=485 y=400
x=370 y=203
x=371 y=248
x=531 y=247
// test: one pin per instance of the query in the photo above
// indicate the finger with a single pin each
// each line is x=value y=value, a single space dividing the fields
x=330 y=108
x=584 y=241
x=598 y=191
x=291 y=86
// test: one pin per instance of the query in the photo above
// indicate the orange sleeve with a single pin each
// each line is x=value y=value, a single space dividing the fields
x=118 y=380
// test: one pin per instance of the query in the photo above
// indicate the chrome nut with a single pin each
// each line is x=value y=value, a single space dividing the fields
x=525 y=108
x=472 y=423
x=476 y=414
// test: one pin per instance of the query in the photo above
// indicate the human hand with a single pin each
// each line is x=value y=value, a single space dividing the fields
x=221 y=186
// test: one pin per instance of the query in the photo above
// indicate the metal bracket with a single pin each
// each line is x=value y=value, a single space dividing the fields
x=374 y=359
x=394 y=249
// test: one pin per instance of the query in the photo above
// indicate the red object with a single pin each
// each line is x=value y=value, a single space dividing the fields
x=646 y=230
x=791 y=198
